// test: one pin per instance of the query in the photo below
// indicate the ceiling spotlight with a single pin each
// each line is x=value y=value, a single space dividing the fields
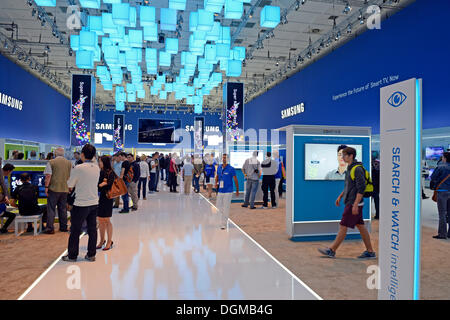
x=43 y=22
x=338 y=36
x=47 y=49
x=297 y=5
x=349 y=28
x=33 y=12
x=5 y=45
x=347 y=8
x=284 y=20
x=30 y=2
x=303 y=2
x=277 y=63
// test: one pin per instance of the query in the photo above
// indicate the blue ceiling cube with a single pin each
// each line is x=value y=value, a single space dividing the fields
x=233 y=9
x=177 y=4
x=93 y=4
x=163 y=95
x=214 y=6
x=214 y=33
x=234 y=68
x=88 y=40
x=172 y=45
x=121 y=14
x=239 y=53
x=75 y=42
x=135 y=38
x=133 y=17
x=108 y=25
x=95 y=25
x=210 y=53
x=168 y=19
x=222 y=51
x=111 y=54
x=225 y=35
x=205 y=20
x=193 y=21
x=148 y=16
x=141 y=94
x=270 y=17
x=151 y=55
x=85 y=59
x=198 y=108
x=165 y=59
x=151 y=33
x=46 y=3
x=112 y=1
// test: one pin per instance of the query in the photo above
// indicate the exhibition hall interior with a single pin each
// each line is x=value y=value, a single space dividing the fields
x=224 y=150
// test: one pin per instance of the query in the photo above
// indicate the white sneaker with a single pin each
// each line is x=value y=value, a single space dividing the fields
x=274 y=207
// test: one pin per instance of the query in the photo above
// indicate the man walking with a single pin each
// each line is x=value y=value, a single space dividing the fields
x=84 y=178
x=152 y=168
x=57 y=173
x=269 y=168
x=353 y=199
x=188 y=170
x=173 y=173
x=252 y=172
x=440 y=181
x=224 y=185
x=132 y=187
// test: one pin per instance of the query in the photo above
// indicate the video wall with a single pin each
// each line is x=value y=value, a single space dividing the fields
x=166 y=130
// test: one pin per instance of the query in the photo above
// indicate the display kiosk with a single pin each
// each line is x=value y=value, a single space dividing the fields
x=312 y=184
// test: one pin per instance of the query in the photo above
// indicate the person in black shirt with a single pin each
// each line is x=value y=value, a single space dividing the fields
x=27 y=195
x=4 y=196
x=105 y=205
x=132 y=186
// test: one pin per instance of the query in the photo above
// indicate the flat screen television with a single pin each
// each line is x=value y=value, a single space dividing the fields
x=433 y=153
x=237 y=158
x=323 y=163
x=37 y=179
x=158 y=131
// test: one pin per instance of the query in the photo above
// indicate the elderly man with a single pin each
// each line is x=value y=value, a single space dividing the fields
x=57 y=174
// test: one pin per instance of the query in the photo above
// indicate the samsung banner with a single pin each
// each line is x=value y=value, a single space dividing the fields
x=400 y=190
x=234 y=108
x=83 y=93
x=119 y=132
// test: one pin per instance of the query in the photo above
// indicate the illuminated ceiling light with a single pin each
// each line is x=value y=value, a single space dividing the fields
x=33 y=12
x=303 y=2
x=297 y=5
x=347 y=8
x=349 y=28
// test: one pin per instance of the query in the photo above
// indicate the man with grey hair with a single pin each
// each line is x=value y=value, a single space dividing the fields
x=57 y=174
x=252 y=173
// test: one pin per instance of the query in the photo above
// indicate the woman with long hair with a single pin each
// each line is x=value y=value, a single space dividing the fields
x=105 y=205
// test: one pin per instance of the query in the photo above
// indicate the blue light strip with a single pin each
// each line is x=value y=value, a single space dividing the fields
x=417 y=193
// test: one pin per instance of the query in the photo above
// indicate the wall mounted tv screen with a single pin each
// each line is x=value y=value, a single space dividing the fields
x=36 y=178
x=158 y=131
x=323 y=162
x=433 y=153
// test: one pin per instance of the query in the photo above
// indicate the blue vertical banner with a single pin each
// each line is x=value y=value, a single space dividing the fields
x=234 y=104
x=83 y=92
x=119 y=132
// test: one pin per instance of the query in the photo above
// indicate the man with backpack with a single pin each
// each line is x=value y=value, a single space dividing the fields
x=357 y=184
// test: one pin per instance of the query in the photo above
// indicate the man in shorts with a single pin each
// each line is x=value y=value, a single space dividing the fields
x=353 y=199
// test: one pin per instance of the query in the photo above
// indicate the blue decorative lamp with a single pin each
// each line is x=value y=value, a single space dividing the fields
x=168 y=19
x=93 y=4
x=148 y=16
x=233 y=9
x=270 y=17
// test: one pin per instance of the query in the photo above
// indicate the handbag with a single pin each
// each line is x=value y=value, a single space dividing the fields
x=435 y=193
x=118 y=189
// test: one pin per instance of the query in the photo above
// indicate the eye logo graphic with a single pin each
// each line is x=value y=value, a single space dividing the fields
x=397 y=99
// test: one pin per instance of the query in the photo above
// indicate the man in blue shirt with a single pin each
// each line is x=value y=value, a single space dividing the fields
x=224 y=185
x=440 y=181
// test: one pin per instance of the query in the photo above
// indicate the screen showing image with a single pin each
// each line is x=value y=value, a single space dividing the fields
x=237 y=158
x=433 y=153
x=158 y=131
x=322 y=161
x=198 y=135
x=36 y=178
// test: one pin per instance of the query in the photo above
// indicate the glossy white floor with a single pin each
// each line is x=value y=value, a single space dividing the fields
x=172 y=248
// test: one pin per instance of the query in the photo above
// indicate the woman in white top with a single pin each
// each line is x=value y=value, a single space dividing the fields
x=145 y=175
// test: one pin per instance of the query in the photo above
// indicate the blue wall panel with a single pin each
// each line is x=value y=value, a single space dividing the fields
x=45 y=114
x=408 y=45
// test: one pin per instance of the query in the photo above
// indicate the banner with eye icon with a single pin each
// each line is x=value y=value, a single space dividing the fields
x=400 y=190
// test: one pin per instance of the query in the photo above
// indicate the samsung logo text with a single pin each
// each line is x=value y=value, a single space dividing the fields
x=292 y=111
x=11 y=102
